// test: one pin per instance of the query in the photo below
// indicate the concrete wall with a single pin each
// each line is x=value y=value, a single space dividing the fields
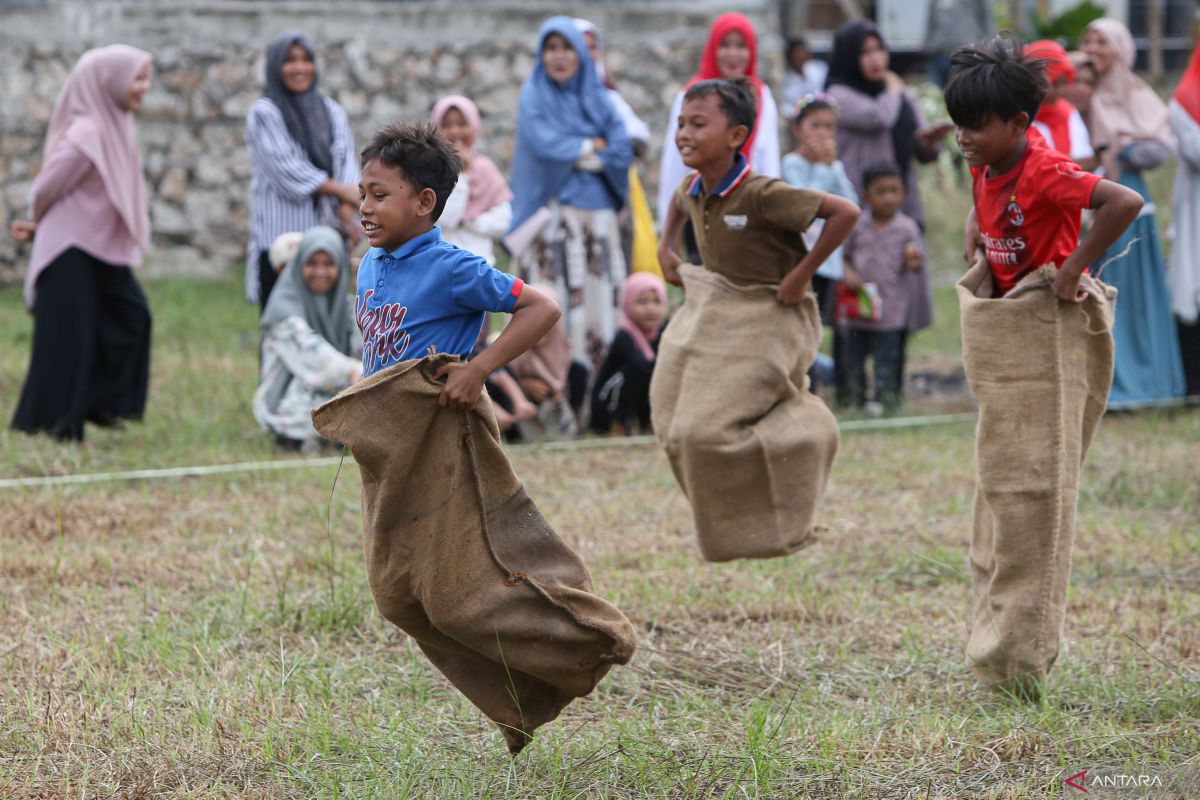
x=382 y=60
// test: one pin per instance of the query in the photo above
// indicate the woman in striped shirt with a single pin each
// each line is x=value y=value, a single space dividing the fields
x=303 y=160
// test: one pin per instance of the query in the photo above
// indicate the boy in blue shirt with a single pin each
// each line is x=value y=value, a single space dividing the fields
x=417 y=293
x=458 y=555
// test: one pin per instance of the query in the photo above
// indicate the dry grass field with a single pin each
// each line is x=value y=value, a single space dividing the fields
x=214 y=637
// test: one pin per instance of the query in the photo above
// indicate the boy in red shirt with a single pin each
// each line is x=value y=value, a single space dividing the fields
x=1037 y=349
x=1028 y=197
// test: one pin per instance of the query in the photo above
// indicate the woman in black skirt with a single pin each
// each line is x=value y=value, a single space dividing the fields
x=90 y=226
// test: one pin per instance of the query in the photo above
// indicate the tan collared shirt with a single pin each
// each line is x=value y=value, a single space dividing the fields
x=750 y=232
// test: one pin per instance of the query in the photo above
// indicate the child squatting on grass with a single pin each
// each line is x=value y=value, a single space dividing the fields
x=1038 y=353
x=749 y=445
x=458 y=555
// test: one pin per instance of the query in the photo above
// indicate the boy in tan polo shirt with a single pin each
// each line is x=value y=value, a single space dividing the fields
x=749 y=445
x=748 y=226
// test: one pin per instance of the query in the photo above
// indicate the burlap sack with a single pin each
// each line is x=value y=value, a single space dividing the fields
x=749 y=444
x=460 y=558
x=1040 y=370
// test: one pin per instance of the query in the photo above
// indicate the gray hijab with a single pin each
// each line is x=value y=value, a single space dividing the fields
x=330 y=314
x=305 y=114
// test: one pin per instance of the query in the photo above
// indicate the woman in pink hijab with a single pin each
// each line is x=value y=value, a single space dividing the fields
x=89 y=227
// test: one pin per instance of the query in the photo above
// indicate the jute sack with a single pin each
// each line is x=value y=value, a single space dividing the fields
x=1040 y=370
x=749 y=444
x=460 y=558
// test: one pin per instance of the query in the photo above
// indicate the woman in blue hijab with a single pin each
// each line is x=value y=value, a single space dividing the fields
x=569 y=180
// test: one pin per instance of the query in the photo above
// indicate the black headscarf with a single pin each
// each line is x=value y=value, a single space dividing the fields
x=305 y=114
x=844 y=68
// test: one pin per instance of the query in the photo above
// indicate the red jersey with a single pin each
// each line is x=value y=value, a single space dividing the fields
x=1029 y=216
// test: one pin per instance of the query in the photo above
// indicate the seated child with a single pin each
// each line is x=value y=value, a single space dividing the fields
x=543 y=376
x=750 y=446
x=1040 y=361
x=508 y=401
x=479 y=210
x=814 y=165
x=310 y=345
x=621 y=394
x=884 y=245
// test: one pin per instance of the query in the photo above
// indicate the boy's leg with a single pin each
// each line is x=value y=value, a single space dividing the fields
x=840 y=382
x=856 y=346
x=887 y=349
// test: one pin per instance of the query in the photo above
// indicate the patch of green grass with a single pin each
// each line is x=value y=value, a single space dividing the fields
x=203 y=372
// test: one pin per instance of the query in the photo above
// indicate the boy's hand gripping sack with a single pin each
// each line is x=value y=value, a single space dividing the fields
x=460 y=558
x=1040 y=370
x=750 y=445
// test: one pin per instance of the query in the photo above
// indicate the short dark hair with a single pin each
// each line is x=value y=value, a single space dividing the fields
x=424 y=156
x=810 y=103
x=995 y=78
x=880 y=169
x=737 y=97
x=792 y=44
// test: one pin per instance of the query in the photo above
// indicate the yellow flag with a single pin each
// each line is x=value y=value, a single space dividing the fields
x=645 y=240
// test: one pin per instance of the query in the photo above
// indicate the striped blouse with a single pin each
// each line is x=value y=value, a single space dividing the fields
x=283 y=181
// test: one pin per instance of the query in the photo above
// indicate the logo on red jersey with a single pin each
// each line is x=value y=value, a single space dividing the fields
x=1015 y=215
x=1005 y=250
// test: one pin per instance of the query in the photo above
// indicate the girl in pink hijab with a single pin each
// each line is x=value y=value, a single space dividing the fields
x=479 y=210
x=621 y=392
x=89 y=226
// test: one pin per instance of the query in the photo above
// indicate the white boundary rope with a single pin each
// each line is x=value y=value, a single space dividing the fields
x=599 y=443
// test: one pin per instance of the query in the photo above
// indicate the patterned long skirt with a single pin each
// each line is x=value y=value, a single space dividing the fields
x=578 y=254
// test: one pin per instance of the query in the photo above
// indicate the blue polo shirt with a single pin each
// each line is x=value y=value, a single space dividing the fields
x=425 y=293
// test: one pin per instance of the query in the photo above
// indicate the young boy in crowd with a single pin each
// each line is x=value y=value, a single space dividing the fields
x=750 y=446
x=1040 y=362
x=419 y=294
x=882 y=247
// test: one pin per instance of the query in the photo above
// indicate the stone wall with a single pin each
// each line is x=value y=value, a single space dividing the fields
x=382 y=60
